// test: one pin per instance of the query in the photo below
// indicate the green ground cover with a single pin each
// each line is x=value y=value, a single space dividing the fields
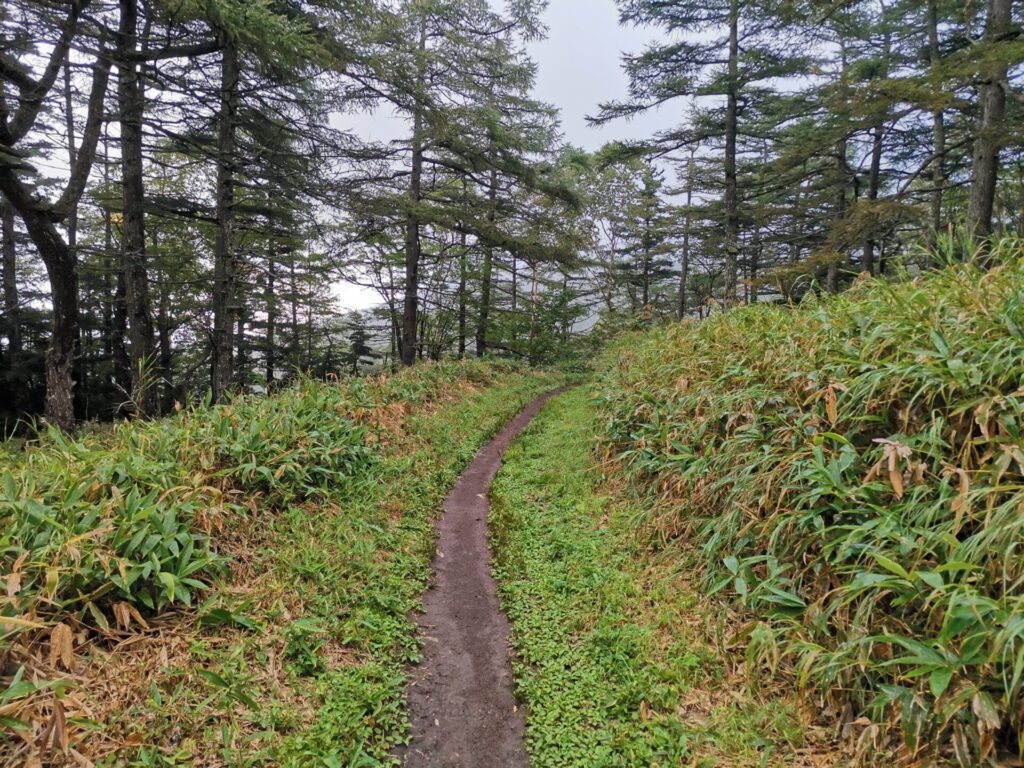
x=851 y=473
x=620 y=657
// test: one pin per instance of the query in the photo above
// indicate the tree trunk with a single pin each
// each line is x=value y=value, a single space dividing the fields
x=834 y=266
x=293 y=287
x=122 y=368
x=732 y=220
x=421 y=345
x=756 y=251
x=225 y=279
x=271 y=300
x=114 y=316
x=463 y=275
x=69 y=126
x=412 y=253
x=485 y=274
x=166 y=350
x=515 y=297
x=990 y=133
x=241 y=365
x=10 y=265
x=832 y=278
x=533 y=313
x=875 y=172
x=938 y=123
x=131 y=107
x=40 y=217
x=63 y=277
x=874 y=181
x=412 y=225
x=684 y=266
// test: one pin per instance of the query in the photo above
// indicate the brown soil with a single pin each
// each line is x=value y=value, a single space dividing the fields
x=461 y=703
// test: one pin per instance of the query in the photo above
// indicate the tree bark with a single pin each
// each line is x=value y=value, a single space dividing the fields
x=71 y=227
x=410 y=307
x=485 y=274
x=875 y=172
x=874 y=181
x=40 y=219
x=164 y=331
x=732 y=220
x=63 y=277
x=463 y=277
x=296 y=352
x=224 y=278
x=832 y=279
x=684 y=266
x=10 y=265
x=412 y=226
x=69 y=126
x=938 y=122
x=271 y=300
x=131 y=106
x=515 y=298
x=122 y=368
x=990 y=132
x=832 y=274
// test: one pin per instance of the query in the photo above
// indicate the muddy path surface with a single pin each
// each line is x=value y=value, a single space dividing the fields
x=461 y=704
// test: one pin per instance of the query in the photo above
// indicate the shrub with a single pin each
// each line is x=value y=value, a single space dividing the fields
x=852 y=471
x=119 y=523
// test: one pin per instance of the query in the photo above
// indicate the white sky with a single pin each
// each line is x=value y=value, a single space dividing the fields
x=578 y=67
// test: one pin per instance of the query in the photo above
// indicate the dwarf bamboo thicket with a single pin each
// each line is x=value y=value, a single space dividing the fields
x=851 y=472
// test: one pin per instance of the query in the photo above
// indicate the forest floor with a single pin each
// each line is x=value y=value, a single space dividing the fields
x=296 y=655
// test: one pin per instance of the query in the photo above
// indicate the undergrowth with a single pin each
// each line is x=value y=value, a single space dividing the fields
x=619 y=657
x=851 y=471
x=231 y=585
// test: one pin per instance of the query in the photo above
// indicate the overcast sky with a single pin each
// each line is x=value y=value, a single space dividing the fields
x=578 y=68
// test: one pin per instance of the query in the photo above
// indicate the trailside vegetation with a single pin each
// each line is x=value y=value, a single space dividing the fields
x=233 y=583
x=850 y=472
x=621 y=660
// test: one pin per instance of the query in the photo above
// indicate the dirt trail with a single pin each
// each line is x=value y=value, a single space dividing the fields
x=461 y=704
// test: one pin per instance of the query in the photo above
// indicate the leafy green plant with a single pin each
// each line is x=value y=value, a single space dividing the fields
x=853 y=471
x=326 y=491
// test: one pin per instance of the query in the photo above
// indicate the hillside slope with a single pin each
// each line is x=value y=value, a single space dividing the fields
x=851 y=474
x=232 y=586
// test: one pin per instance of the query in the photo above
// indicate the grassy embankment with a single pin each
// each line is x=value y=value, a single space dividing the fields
x=850 y=475
x=231 y=585
x=622 y=661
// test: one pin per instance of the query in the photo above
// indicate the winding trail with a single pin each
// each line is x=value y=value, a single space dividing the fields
x=461 y=704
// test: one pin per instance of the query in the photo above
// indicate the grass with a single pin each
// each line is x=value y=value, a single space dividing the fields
x=852 y=472
x=620 y=659
x=296 y=532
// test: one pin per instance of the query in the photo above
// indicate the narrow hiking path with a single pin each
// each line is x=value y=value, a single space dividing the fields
x=461 y=703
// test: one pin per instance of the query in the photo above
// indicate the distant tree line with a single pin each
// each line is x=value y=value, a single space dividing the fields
x=818 y=140
x=179 y=197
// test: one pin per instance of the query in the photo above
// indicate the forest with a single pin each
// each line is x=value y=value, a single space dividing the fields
x=180 y=193
x=284 y=280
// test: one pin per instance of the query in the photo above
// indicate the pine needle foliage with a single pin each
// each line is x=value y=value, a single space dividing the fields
x=851 y=471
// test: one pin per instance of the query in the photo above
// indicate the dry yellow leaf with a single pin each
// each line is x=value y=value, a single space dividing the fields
x=62 y=646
